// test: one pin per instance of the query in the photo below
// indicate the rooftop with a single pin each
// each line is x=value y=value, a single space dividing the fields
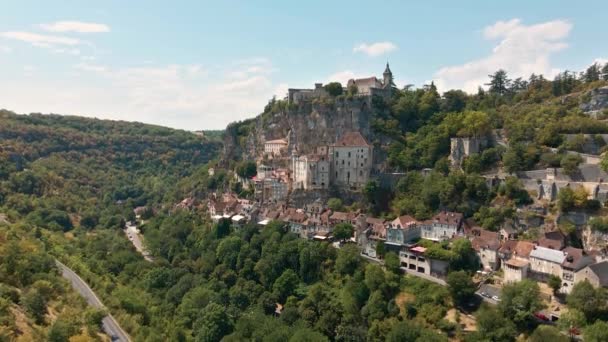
x=601 y=271
x=352 y=139
x=548 y=254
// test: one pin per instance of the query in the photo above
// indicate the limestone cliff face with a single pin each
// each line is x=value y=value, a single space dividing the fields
x=305 y=126
x=597 y=100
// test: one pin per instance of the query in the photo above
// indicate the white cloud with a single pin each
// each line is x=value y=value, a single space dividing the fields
x=75 y=26
x=341 y=76
x=521 y=51
x=183 y=96
x=5 y=49
x=43 y=40
x=375 y=49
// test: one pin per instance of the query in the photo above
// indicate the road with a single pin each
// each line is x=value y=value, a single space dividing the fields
x=135 y=237
x=109 y=324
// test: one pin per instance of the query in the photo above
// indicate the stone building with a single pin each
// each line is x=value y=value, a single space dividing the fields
x=275 y=147
x=445 y=225
x=351 y=161
x=462 y=147
x=310 y=172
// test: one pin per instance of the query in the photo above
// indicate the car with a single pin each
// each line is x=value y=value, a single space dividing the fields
x=541 y=316
x=496 y=298
x=485 y=294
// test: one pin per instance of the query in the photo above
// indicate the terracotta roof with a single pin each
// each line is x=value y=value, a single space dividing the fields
x=341 y=216
x=353 y=139
x=379 y=231
x=404 y=221
x=373 y=220
x=519 y=248
x=486 y=239
x=448 y=217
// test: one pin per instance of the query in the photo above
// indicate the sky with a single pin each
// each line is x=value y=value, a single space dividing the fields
x=202 y=64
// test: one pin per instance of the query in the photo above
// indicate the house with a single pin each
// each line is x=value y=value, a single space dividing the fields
x=414 y=259
x=443 y=226
x=514 y=256
x=486 y=245
x=374 y=232
x=401 y=230
x=596 y=274
x=310 y=172
x=576 y=260
x=351 y=161
x=508 y=231
x=275 y=147
x=545 y=262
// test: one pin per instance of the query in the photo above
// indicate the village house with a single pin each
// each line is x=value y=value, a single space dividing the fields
x=545 y=262
x=275 y=147
x=486 y=244
x=595 y=274
x=310 y=172
x=445 y=225
x=515 y=258
x=401 y=230
x=576 y=260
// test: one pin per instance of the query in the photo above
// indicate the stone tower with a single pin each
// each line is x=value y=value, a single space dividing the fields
x=387 y=81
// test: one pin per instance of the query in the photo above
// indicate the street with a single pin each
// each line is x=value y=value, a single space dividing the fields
x=109 y=324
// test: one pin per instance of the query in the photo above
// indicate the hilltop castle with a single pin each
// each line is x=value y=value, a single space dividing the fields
x=369 y=86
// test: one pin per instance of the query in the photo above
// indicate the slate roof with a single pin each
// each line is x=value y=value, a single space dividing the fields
x=576 y=258
x=601 y=271
x=352 y=139
x=548 y=254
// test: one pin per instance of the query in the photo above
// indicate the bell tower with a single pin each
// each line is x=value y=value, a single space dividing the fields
x=387 y=81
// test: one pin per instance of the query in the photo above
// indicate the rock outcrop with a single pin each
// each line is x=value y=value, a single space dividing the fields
x=598 y=100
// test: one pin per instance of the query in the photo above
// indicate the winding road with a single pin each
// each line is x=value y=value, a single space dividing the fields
x=109 y=324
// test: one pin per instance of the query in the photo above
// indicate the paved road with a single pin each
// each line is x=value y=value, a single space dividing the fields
x=135 y=237
x=109 y=324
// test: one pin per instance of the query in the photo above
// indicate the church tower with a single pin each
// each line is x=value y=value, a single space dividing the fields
x=387 y=81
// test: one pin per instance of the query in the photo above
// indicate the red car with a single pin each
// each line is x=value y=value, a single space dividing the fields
x=541 y=316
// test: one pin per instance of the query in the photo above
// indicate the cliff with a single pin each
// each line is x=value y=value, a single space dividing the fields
x=305 y=126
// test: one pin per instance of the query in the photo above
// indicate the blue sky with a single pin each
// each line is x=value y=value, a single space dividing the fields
x=202 y=64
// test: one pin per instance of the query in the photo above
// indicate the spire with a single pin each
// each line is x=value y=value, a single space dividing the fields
x=387 y=70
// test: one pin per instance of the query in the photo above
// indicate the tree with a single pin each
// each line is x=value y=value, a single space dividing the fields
x=343 y=231
x=499 y=82
x=592 y=73
x=493 y=326
x=520 y=301
x=247 y=169
x=348 y=259
x=285 y=284
x=570 y=164
x=591 y=302
x=307 y=335
x=392 y=263
x=547 y=333
x=605 y=72
x=454 y=101
x=572 y=321
x=334 y=88
x=475 y=124
x=35 y=304
x=213 y=324
x=596 y=332
x=565 y=199
x=374 y=277
x=335 y=204
x=555 y=283
x=461 y=286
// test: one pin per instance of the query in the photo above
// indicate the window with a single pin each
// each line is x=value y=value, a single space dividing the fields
x=337 y=154
x=342 y=161
x=360 y=173
x=361 y=164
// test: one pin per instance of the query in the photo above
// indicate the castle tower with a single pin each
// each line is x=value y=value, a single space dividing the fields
x=387 y=77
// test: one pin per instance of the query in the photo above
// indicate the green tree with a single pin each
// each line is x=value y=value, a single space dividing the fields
x=285 y=285
x=588 y=300
x=247 y=169
x=566 y=199
x=35 y=304
x=392 y=263
x=492 y=325
x=461 y=286
x=335 y=204
x=499 y=83
x=307 y=335
x=213 y=324
x=343 y=231
x=374 y=277
x=348 y=259
x=596 y=332
x=334 y=88
x=555 y=283
x=547 y=333
x=520 y=301
x=570 y=163
x=572 y=320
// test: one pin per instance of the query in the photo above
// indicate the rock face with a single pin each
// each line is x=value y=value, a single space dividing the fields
x=598 y=100
x=305 y=126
